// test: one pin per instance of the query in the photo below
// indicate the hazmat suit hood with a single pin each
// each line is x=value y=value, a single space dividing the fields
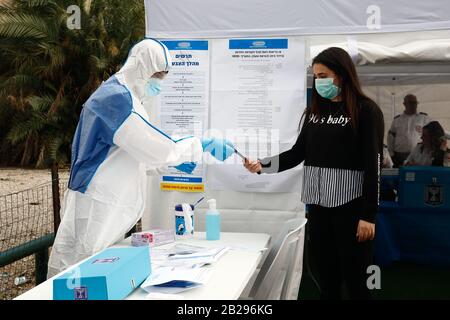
x=145 y=59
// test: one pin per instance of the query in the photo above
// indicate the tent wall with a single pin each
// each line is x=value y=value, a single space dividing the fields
x=237 y=18
x=373 y=23
x=433 y=99
x=383 y=23
x=241 y=211
x=364 y=52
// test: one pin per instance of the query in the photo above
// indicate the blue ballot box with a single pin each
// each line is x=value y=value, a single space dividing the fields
x=419 y=236
x=424 y=187
x=110 y=275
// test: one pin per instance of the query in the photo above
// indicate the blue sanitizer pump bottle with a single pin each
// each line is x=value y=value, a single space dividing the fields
x=212 y=221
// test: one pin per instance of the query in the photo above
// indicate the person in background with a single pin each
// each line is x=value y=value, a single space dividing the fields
x=405 y=130
x=387 y=187
x=431 y=151
x=387 y=160
x=341 y=145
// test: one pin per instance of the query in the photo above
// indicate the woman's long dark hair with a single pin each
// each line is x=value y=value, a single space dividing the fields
x=339 y=61
x=436 y=133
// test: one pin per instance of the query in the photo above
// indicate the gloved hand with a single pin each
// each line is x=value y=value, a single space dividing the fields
x=221 y=149
x=187 y=167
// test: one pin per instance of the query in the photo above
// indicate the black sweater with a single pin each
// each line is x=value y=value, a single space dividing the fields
x=329 y=141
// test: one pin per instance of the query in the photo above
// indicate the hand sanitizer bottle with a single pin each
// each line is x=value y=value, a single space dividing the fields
x=212 y=221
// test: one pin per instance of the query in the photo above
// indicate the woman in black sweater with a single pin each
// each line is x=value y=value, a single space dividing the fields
x=341 y=145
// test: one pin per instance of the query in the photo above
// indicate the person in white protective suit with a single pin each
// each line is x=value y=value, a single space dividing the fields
x=114 y=147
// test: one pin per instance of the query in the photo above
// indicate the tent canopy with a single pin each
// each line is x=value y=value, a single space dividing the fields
x=237 y=18
x=399 y=46
x=372 y=31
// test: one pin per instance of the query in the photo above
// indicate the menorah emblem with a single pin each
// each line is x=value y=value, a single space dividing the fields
x=80 y=293
x=434 y=195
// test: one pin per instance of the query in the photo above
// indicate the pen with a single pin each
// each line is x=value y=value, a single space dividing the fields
x=239 y=154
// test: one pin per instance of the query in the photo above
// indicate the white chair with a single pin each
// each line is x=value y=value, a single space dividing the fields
x=280 y=274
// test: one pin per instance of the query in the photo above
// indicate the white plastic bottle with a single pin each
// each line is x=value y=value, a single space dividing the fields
x=212 y=221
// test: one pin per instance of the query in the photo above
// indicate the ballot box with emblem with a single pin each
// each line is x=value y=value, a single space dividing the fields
x=424 y=187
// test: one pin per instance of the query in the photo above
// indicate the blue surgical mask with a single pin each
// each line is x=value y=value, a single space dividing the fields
x=153 y=87
x=326 y=88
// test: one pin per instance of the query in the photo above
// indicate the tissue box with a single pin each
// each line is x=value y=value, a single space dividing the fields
x=109 y=275
x=152 y=238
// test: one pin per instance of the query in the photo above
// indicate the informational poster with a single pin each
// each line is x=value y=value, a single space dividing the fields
x=184 y=105
x=257 y=99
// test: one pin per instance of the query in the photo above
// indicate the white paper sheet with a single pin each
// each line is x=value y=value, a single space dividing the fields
x=186 y=256
x=237 y=178
x=162 y=279
x=257 y=99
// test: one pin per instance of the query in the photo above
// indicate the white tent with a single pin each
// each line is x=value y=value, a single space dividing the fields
x=235 y=18
x=399 y=46
x=391 y=65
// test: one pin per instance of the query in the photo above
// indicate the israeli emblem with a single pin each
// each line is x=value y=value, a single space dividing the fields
x=107 y=260
x=434 y=195
x=80 y=293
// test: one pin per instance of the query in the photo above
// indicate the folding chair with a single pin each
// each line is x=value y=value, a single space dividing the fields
x=276 y=280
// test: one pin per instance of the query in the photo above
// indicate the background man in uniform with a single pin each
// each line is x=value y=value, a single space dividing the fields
x=406 y=130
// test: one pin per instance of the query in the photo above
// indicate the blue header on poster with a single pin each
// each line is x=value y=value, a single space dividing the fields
x=186 y=45
x=182 y=179
x=259 y=44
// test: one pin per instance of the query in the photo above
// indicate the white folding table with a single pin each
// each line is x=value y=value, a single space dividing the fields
x=230 y=274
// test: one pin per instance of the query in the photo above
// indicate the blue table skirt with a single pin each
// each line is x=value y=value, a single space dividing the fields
x=412 y=235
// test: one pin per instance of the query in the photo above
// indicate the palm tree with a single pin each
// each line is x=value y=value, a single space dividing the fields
x=47 y=70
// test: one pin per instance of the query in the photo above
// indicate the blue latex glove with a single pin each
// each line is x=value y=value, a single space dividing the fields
x=220 y=149
x=186 y=167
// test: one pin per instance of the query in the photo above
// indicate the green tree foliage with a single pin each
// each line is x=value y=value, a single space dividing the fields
x=48 y=70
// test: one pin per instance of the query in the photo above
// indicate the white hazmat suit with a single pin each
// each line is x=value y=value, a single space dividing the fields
x=113 y=148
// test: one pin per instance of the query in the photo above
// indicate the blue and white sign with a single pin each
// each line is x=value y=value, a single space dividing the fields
x=184 y=104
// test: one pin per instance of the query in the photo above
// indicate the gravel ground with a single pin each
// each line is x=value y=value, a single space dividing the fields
x=15 y=179
x=26 y=213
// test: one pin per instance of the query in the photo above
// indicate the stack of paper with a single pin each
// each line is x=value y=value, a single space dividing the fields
x=179 y=268
x=186 y=256
x=172 y=280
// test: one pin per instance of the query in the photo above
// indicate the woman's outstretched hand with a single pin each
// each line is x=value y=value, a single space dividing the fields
x=252 y=166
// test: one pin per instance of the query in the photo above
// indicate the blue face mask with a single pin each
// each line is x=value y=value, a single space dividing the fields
x=153 y=87
x=326 y=88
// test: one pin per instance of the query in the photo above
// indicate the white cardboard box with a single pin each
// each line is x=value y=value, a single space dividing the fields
x=152 y=238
